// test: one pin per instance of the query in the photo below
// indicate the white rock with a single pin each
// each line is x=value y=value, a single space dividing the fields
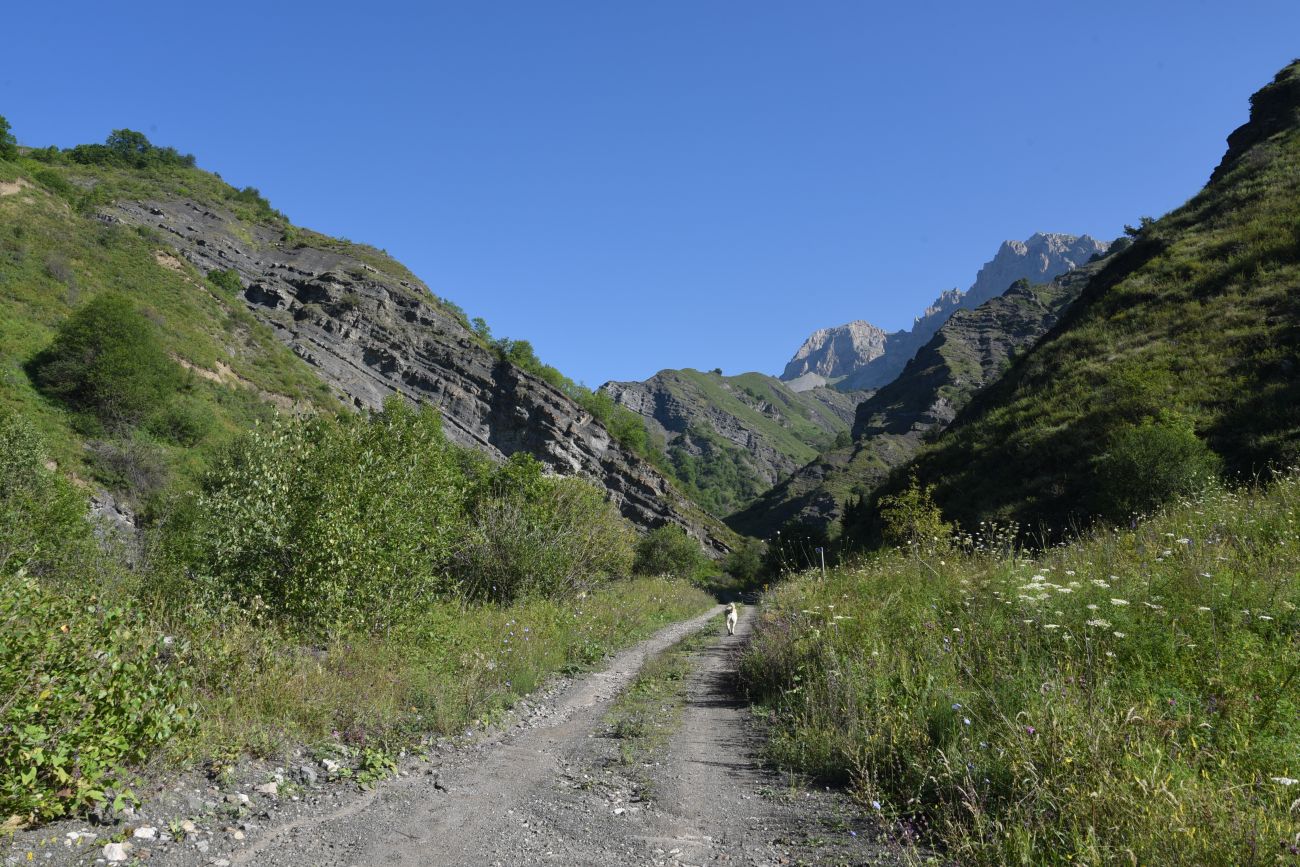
x=115 y=853
x=188 y=827
x=269 y=788
x=144 y=832
x=330 y=766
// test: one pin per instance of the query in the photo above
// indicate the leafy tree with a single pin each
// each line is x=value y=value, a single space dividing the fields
x=668 y=550
x=327 y=524
x=1148 y=465
x=911 y=517
x=43 y=526
x=8 y=144
x=746 y=561
x=106 y=362
x=537 y=535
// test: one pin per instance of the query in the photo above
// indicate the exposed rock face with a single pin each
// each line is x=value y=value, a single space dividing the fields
x=372 y=333
x=833 y=353
x=1038 y=259
x=970 y=350
x=752 y=422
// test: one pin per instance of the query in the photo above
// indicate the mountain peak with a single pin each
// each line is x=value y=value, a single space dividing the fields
x=832 y=353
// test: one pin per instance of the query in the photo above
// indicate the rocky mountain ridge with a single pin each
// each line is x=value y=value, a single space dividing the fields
x=968 y=351
x=370 y=334
x=864 y=357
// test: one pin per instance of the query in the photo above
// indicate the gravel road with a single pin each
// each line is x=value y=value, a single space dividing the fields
x=548 y=788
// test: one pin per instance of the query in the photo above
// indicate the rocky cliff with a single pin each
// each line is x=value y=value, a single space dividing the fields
x=833 y=353
x=733 y=437
x=371 y=330
x=971 y=349
x=860 y=357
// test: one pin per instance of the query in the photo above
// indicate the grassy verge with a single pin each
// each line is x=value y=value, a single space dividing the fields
x=260 y=694
x=1128 y=698
x=647 y=713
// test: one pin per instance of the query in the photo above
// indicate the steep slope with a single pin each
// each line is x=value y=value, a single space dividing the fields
x=971 y=349
x=1038 y=259
x=1196 y=325
x=365 y=327
x=729 y=438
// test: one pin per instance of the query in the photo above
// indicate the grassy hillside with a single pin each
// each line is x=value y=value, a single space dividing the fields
x=726 y=439
x=972 y=348
x=56 y=257
x=1129 y=698
x=1189 y=336
x=305 y=575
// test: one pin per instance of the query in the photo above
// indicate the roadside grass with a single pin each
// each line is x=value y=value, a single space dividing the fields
x=260 y=693
x=1126 y=698
x=646 y=714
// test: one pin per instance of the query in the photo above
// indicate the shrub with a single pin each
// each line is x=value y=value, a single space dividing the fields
x=910 y=517
x=331 y=525
x=1148 y=465
x=43 y=525
x=184 y=421
x=668 y=550
x=746 y=561
x=84 y=688
x=537 y=536
x=226 y=281
x=127 y=147
x=8 y=144
x=107 y=363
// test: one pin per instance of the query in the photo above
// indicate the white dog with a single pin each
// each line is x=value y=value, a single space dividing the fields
x=731 y=618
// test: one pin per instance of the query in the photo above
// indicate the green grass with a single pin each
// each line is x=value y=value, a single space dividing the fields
x=647 y=713
x=260 y=693
x=1127 y=698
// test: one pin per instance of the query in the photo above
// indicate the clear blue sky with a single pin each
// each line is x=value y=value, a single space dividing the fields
x=640 y=185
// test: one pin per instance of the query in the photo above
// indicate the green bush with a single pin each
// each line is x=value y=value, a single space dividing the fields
x=1148 y=465
x=8 y=144
x=85 y=689
x=910 y=517
x=668 y=550
x=106 y=362
x=129 y=148
x=43 y=526
x=185 y=421
x=226 y=281
x=746 y=561
x=532 y=535
x=331 y=525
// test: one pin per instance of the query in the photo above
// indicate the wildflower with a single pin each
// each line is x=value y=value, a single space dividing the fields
x=876 y=804
x=1099 y=623
x=1285 y=781
x=1120 y=634
x=956 y=705
x=1119 y=602
x=1264 y=617
x=1030 y=730
x=1099 y=583
x=1051 y=626
x=1204 y=608
x=1069 y=571
x=1183 y=541
x=1091 y=607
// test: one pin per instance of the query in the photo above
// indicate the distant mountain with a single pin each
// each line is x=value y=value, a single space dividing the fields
x=860 y=356
x=972 y=348
x=728 y=439
x=1189 y=338
x=834 y=353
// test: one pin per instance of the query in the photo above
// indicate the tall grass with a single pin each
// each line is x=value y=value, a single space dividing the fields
x=1128 y=698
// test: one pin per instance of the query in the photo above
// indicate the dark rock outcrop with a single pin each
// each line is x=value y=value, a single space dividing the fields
x=371 y=330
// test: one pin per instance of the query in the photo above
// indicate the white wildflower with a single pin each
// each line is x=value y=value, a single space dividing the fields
x=1099 y=623
x=1119 y=602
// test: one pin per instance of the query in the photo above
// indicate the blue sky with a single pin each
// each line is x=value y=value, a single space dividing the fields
x=635 y=185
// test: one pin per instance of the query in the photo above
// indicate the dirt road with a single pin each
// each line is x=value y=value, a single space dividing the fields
x=551 y=789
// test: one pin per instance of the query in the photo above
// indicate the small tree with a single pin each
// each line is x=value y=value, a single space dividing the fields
x=667 y=550
x=8 y=144
x=1148 y=465
x=106 y=361
x=911 y=517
